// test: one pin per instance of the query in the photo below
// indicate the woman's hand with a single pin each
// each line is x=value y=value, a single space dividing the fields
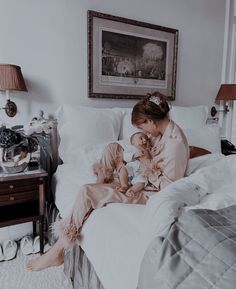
x=155 y=151
x=122 y=189
x=142 y=154
x=130 y=193
x=133 y=190
x=138 y=154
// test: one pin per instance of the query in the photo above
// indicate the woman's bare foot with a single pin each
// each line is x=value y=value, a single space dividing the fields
x=54 y=257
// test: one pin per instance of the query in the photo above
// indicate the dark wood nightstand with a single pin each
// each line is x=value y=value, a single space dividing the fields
x=22 y=199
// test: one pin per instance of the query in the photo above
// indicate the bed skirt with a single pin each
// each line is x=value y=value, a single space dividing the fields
x=80 y=271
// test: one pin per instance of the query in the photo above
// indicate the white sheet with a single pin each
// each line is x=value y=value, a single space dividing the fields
x=211 y=187
x=112 y=238
x=116 y=236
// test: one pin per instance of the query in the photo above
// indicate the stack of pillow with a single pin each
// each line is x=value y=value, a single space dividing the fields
x=84 y=127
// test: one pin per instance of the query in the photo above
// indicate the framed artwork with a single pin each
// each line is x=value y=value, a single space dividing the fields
x=128 y=59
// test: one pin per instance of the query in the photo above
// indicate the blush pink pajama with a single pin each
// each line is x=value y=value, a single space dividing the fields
x=171 y=159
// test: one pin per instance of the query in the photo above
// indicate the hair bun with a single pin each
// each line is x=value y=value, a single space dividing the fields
x=160 y=100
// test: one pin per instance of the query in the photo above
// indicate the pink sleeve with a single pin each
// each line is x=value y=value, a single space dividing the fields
x=173 y=163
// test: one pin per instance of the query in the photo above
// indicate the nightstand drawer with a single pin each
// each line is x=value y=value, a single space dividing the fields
x=18 y=186
x=14 y=198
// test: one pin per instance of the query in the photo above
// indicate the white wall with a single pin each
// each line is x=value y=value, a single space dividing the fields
x=48 y=39
x=230 y=72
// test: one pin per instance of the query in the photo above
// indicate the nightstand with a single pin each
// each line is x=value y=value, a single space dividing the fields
x=22 y=199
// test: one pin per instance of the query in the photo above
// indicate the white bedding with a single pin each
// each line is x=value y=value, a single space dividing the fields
x=115 y=237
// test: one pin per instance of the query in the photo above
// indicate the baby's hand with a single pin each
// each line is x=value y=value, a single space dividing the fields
x=122 y=189
x=130 y=193
x=138 y=154
x=155 y=151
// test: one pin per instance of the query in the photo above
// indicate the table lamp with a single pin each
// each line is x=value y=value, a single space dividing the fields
x=226 y=92
x=11 y=79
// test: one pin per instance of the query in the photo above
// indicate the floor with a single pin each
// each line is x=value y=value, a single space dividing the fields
x=13 y=275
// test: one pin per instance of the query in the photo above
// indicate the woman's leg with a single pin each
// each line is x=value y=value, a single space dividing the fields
x=68 y=231
x=54 y=257
x=112 y=155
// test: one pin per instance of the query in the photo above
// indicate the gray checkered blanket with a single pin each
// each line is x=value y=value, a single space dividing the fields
x=198 y=252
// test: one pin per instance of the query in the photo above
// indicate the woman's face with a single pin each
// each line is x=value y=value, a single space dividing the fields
x=149 y=127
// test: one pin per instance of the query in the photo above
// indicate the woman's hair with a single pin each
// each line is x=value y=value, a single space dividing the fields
x=153 y=107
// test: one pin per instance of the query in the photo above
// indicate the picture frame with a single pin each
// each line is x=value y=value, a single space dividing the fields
x=128 y=59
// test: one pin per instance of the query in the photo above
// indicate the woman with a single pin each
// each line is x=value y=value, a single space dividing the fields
x=170 y=157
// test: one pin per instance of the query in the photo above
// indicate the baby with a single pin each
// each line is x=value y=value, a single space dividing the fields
x=129 y=167
x=134 y=167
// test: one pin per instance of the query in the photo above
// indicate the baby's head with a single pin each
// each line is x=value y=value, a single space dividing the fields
x=139 y=140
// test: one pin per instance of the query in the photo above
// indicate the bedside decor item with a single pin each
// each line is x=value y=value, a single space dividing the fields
x=17 y=145
x=11 y=79
x=11 y=168
x=33 y=164
x=129 y=58
x=226 y=92
x=14 y=157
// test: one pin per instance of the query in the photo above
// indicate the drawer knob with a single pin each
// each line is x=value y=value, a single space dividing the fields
x=11 y=187
x=12 y=198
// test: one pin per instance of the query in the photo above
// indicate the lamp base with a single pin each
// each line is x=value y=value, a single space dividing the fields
x=10 y=108
x=213 y=111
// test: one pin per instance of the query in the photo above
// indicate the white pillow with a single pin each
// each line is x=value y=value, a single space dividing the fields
x=127 y=129
x=185 y=117
x=189 y=116
x=85 y=126
x=207 y=137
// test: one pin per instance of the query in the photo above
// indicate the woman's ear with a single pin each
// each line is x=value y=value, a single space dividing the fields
x=150 y=121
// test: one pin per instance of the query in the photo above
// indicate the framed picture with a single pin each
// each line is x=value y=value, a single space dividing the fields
x=128 y=59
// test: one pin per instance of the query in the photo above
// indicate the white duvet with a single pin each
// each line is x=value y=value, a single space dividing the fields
x=115 y=237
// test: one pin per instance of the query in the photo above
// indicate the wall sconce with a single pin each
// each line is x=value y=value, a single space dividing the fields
x=11 y=79
x=226 y=92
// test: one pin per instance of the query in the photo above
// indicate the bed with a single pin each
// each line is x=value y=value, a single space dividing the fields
x=118 y=238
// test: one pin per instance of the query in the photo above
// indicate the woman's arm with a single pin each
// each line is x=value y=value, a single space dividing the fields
x=173 y=164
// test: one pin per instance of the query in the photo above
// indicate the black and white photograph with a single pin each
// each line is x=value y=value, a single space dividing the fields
x=133 y=57
x=128 y=59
